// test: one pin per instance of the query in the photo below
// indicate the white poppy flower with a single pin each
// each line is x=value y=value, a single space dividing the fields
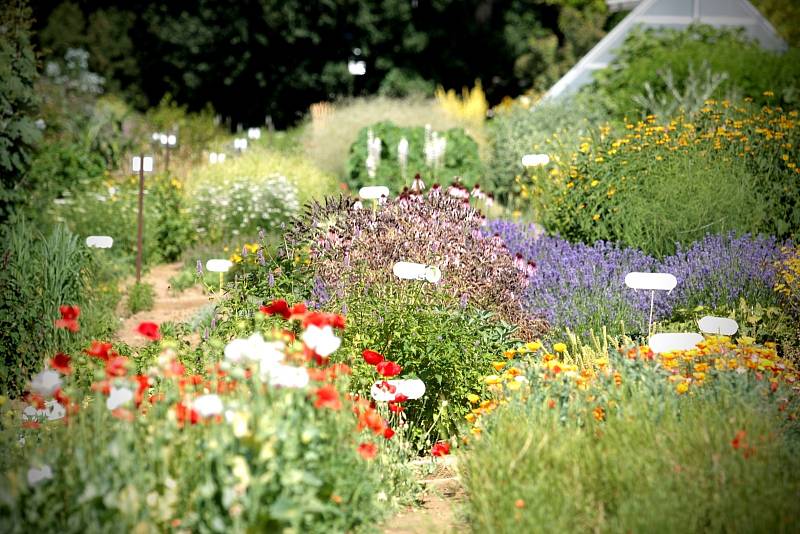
x=118 y=397
x=208 y=405
x=46 y=383
x=54 y=410
x=38 y=475
x=288 y=376
x=254 y=349
x=321 y=340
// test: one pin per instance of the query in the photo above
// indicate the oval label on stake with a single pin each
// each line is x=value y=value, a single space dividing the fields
x=651 y=281
x=373 y=192
x=671 y=342
x=535 y=160
x=413 y=388
x=433 y=274
x=99 y=241
x=218 y=266
x=718 y=325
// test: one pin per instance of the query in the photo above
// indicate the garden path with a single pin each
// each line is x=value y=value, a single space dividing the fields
x=167 y=306
x=436 y=513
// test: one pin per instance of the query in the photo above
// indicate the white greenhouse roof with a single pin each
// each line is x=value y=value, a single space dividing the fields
x=676 y=14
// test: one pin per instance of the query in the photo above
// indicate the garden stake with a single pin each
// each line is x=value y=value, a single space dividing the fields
x=140 y=222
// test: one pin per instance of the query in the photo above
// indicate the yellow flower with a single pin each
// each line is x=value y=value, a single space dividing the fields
x=474 y=399
x=595 y=182
x=533 y=346
x=682 y=388
x=514 y=385
x=470 y=417
x=596 y=217
x=560 y=347
x=498 y=366
x=768 y=93
x=236 y=258
x=509 y=353
x=744 y=340
x=492 y=379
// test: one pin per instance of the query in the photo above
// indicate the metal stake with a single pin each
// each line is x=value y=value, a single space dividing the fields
x=140 y=224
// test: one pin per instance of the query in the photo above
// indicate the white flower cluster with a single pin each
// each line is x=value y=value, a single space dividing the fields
x=373 y=153
x=434 y=148
x=242 y=205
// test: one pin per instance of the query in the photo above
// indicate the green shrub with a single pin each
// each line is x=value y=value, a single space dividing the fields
x=623 y=458
x=460 y=158
x=432 y=338
x=333 y=129
x=241 y=206
x=111 y=208
x=19 y=135
x=401 y=83
x=140 y=297
x=751 y=71
x=553 y=128
x=258 y=162
x=727 y=167
x=39 y=274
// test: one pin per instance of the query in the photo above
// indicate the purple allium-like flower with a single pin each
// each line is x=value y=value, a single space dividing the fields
x=260 y=256
x=271 y=279
x=244 y=251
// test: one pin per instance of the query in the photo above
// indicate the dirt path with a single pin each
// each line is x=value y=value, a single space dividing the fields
x=436 y=513
x=167 y=306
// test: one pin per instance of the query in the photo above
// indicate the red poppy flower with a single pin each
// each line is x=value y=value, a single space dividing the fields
x=143 y=383
x=395 y=408
x=116 y=366
x=60 y=362
x=317 y=375
x=277 y=307
x=400 y=398
x=338 y=369
x=69 y=318
x=440 y=448
x=369 y=418
x=372 y=357
x=387 y=387
x=388 y=368
x=149 y=330
x=31 y=424
x=185 y=413
x=368 y=450
x=738 y=439
x=322 y=319
x=103 y=386
x=34 y=399
x=298 y=311
x=99 y=350
x=327 y=397
x=61 y=398
x=388 y=432
x=123 y=414
x=175 y=369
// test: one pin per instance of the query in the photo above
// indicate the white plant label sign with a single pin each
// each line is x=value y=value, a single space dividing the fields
x=218 y=266
x=412 y=388
x=373 y=192
x=535 y=160
x=671 y=342
x=407 y=270
x=99 y=241
x=718 y=325
x=136 y=164
x=651 y=281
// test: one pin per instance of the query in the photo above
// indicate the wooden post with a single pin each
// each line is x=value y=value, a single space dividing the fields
x=140 y=225
x=167 y=158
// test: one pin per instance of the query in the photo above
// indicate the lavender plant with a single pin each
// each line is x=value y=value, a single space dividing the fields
x=581 y=287
x=351 y=246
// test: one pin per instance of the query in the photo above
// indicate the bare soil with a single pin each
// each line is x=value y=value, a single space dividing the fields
x=167 y=305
